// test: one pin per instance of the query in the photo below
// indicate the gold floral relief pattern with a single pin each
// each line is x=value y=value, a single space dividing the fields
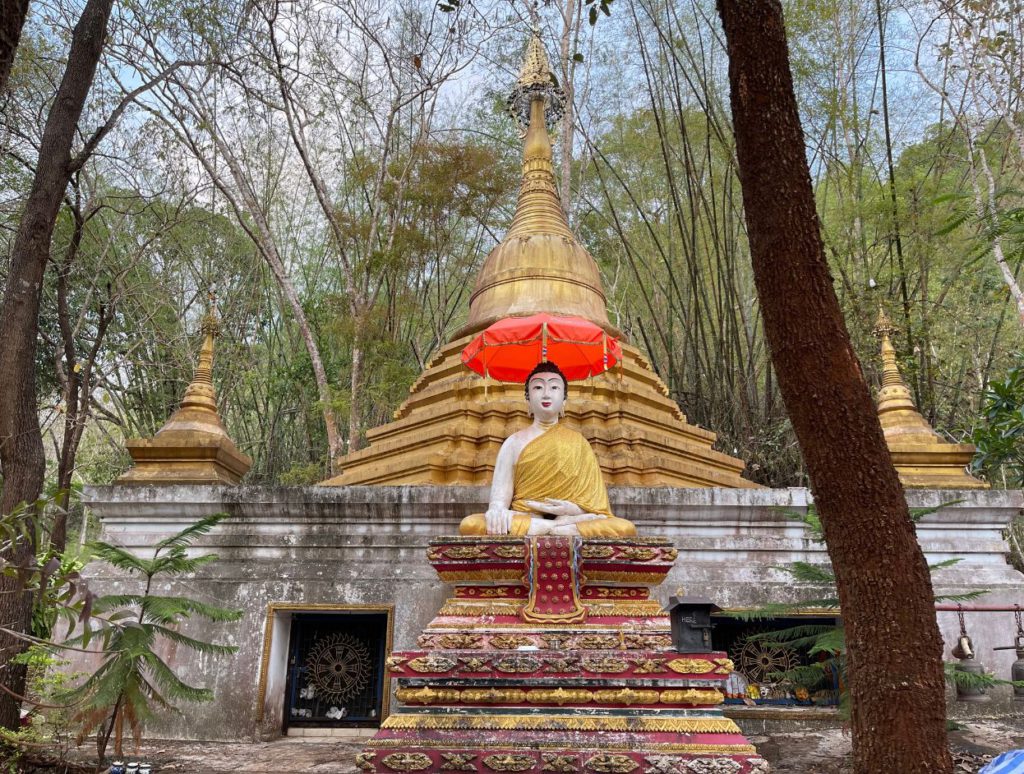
x=562 y=763
x=559 y=696
x=517 y=664
x=596 y=552
x=509 y=762
x=638 y=554
x=567 y=664
x=669 y=554
x=403 y=761
x=432 y=664
x=490 y=608
x=510 y=552
x=691 y=666
x=627 y=696
x=460 y=641
x=598 y=641
x=427 y=695
x=612 y=764
x=605 y=664
x=493 y=696
x=458 y=762
x=474 y=664
x=364 y=760
x=640 y=607
x=465 y=552
x=648 y=666
x=393 y=662
x=692 y=696
x=713 y=766
x=510 y=641
x=665 y=764
x=724 y=666
x=555 y=641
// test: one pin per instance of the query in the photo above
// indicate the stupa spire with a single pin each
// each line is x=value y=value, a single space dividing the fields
x=539 y=266
x=894 y=393
x=922 y=458
x=200 y=394
x=192 y=447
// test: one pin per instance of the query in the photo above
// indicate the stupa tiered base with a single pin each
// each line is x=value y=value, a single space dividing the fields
x=552 y=657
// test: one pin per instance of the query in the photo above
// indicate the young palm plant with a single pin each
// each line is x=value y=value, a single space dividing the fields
x=133 y=680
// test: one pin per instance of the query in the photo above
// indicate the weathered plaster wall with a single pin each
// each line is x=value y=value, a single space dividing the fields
x=367 y=545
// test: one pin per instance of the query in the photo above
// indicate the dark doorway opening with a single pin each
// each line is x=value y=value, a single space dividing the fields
x=773 y=662
x=336 y=670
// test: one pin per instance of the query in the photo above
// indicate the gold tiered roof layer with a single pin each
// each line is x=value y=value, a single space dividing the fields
x=921 y=457
x=450 y=428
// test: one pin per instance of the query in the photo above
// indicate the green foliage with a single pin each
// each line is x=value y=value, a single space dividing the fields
x=1000 y=440
x=973 y=681
x=133 y=680
x=52 y=727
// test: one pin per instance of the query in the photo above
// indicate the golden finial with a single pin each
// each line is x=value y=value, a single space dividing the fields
x=536 y=82
x=893 y=388
x=535 y=70
x=884 y=326
x=200 y=392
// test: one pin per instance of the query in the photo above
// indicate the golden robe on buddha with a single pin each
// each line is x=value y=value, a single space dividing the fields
x=558 y=465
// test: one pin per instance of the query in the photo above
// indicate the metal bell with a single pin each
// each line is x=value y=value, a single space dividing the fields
x=964 y=648
x=1017 y=667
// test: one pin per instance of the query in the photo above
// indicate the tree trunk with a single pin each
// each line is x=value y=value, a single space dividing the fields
x=21 y=444
x=894 y=648
x=354 y=425
x=13 y=19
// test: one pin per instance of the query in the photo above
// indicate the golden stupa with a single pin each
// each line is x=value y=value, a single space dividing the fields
x=192 y=447
x=922 y=459
x=449 y=429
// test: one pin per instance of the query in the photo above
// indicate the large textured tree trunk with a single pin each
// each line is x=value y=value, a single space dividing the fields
x=11 y=21
x=895 y=651
x=21 y=445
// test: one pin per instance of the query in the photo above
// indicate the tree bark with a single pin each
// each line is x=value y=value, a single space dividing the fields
x=13 y=19
x=21 y=444
x=894 y=648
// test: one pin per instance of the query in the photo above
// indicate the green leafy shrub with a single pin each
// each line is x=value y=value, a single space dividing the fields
x=1000 y=442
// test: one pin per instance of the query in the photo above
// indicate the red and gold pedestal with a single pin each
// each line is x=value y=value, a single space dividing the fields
x=552 y=657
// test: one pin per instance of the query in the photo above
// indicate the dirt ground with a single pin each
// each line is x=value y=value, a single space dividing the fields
x=800 y=752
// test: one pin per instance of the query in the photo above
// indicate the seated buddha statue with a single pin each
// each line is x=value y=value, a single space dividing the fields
x=546 y=478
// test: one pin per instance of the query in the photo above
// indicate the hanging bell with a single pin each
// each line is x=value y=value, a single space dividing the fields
x=964 y=648
x=964 y=651
x=1017 y=668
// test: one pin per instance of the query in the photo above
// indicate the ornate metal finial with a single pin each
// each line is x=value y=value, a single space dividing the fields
x=884 y=326
x=536 y=81
x=210 y=325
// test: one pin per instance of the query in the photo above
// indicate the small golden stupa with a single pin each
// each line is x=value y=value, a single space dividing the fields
x=922 y=459
x=193 y=447
x=449 y=429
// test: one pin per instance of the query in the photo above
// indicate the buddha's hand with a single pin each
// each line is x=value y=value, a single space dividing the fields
x=555 y=507
x=565 y=521
x=498 y=520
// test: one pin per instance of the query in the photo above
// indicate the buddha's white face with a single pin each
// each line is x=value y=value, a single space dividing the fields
x=546 y=396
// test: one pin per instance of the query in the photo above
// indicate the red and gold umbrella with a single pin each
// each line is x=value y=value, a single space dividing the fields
x=509 y=349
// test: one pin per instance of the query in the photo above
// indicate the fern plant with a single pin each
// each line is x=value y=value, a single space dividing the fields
x=133 y=680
